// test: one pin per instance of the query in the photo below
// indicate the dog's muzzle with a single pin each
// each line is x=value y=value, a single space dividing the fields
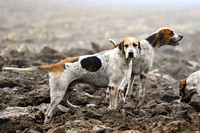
x=130 y=54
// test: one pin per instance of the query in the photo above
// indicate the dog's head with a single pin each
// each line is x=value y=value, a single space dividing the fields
x=167 y=36
x=130 y=47
x=185 y=92
x=164 y=36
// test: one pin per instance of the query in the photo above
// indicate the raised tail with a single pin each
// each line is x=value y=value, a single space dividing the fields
x=45 y=67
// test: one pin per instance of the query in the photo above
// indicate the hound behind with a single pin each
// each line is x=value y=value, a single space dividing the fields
x=189 y=86
x=143 y=64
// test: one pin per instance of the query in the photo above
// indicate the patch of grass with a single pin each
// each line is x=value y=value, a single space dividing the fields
x=69 y=129
x=12 y=95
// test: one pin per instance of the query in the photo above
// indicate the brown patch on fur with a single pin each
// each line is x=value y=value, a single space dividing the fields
x=186 y=94
x=58 y=67
x=164 y=35
x=130 y=40
x=183 y=81
x=46 y=67
x=183 y=91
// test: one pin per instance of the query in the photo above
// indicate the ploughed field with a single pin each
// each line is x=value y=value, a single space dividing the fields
x=25 y=97
x=48 y=36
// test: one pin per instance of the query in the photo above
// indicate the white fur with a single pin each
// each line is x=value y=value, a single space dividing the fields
x=193 y=82
x=142 y=65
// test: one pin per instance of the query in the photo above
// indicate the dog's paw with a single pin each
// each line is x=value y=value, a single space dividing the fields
x=112 y=107
x=142 y=94
x=47 y=119
x=121 y=95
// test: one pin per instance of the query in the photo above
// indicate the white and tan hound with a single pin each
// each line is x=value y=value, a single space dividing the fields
x=142 y=65
x=189 y=86
x=104 y=69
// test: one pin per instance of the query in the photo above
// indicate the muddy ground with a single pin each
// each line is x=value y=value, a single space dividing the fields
x=47 y=32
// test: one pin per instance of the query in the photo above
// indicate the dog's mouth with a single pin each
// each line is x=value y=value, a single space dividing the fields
x=131 y=56
x=174 y=43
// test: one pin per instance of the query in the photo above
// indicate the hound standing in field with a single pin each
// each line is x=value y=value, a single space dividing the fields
x=104 y=69
x=189 y=86
x=143 y=64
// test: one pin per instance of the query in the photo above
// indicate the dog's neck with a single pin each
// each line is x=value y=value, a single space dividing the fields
x=153 y=40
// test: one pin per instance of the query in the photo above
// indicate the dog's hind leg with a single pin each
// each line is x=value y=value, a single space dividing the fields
x=57 y=92
x=66 y=99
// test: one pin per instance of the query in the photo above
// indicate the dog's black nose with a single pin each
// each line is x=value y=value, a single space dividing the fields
x=181 y=36
x=130 y=54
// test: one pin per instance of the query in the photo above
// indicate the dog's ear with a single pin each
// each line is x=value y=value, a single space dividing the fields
x=139 y=46
x=121 y=46
x=161 y=36
x=182 y=85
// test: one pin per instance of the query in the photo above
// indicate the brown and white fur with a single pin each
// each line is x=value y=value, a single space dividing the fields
x=104 y=69
x=142 y=65
x=189 y=86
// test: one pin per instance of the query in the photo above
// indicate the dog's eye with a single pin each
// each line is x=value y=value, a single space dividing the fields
x=134 y=45
x=171 y=33
x=126 y=46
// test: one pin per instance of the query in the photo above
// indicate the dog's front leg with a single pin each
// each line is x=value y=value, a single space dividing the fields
x=107 y=93
x=121 y=88
x=113 y=90
x=143 y=79
x=128 y=79
x=130 y=86
x=124 y=82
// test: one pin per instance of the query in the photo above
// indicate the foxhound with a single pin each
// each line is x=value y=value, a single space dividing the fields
x=142 y=65
x=189 y=86
x=104 y=69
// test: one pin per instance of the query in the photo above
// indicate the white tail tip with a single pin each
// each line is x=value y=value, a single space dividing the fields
x=20 y=69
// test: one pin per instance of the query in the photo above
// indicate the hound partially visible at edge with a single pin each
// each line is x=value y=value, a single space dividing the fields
x=189 y=86
x=104 y=69
x=142 y=65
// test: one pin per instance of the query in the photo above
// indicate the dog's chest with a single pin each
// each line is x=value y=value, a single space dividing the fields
x=137 y=66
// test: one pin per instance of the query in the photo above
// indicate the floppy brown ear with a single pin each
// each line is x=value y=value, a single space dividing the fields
x=121 y=46
x=182 y=83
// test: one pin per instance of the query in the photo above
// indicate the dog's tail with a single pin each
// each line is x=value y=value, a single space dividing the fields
x=45 y=67
x=113 y=42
